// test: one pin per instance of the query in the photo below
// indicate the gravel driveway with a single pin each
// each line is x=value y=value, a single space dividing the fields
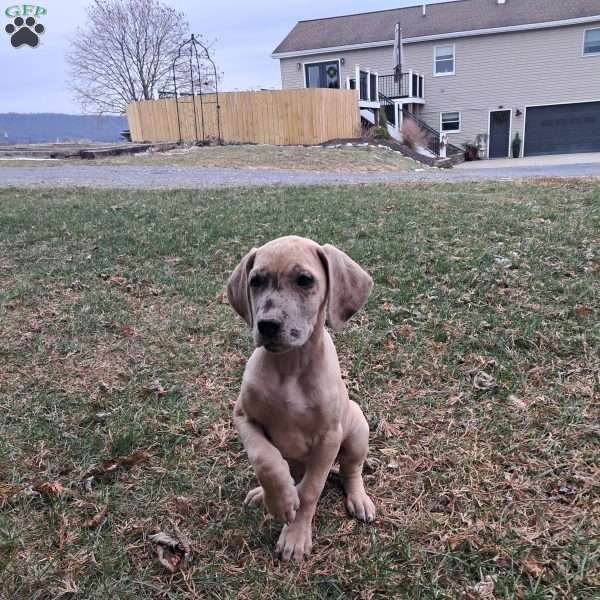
x=193 y=177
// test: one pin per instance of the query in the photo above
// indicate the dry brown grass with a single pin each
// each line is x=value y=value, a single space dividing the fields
x=347 y=159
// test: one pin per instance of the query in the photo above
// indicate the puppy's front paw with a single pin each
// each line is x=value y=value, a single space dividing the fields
x=359 y=505
x=283 y=502
x=295 y=542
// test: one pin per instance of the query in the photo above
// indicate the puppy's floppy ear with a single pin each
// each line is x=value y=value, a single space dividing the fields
x=349 y=286
x=238 y=293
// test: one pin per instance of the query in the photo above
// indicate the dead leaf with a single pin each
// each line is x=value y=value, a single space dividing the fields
x=516 y=402
x=533 y=567
x=97 y=518
x=484 y=589
x=109 y=467
x=484 y=381
x=389 y=345
x=405 y=331
x=8 y=489
x=117 y=280
x=583 y=310
x=387 y=307
x=127 y=331
x=388 y=430
x=52 y=489
x=174 y=553
x=154 y=387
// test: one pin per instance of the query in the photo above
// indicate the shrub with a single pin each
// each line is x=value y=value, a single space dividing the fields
x=367 y=133
x=516 y=146
x=382 y=133
x=412 y=135
x=471 y=151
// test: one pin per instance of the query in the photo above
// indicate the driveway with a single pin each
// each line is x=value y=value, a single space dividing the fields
x=152 y=177
x=556 y=160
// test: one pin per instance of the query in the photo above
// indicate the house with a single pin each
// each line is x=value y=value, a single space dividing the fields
x=480 y=70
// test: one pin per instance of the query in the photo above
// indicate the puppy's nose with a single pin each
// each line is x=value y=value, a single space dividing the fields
x=269 y=328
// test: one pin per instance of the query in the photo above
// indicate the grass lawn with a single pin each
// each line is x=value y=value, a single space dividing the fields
x=476 y=362
x=351 y=159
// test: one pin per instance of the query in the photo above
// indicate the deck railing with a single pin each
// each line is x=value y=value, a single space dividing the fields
x=368 y=86
x=407 y=85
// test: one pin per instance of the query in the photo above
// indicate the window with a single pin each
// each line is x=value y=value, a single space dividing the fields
x=443 y=60
x=323 y=75
x=450 y=122
x=591 y=42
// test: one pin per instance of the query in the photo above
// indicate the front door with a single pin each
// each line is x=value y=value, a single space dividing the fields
x=499 y=133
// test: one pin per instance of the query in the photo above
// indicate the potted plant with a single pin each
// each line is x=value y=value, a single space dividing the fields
x=516 y=146
x=471 y=151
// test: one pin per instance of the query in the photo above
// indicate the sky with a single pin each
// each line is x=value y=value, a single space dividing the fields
x=246 y=32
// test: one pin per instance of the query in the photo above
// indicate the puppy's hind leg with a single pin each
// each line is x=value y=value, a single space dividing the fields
x=352 y=457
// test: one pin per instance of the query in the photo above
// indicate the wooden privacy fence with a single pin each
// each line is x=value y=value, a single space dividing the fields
x=283 y=117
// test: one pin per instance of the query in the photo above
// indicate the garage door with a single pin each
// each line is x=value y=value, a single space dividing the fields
x=562 y=129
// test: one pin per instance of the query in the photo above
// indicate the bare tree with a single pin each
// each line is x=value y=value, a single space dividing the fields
x=124 y=53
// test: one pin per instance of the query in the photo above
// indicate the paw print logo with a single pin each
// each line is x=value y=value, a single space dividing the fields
x=24 y=32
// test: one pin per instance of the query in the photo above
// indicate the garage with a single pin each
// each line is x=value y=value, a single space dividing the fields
x=562 y=129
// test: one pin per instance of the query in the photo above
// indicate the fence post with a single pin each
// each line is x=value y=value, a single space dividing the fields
x=410 y=83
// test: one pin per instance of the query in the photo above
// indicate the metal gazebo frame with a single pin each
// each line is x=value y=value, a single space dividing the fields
x=194 y=51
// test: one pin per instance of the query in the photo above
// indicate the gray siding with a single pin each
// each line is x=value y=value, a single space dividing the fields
x=511 y=70
x=375 y=59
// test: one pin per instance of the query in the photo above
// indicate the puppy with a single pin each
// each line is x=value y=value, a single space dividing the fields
x=293 y=413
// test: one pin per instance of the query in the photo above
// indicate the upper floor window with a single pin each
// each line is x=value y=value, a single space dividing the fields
x=591 y=41
x=443 y=60
x=323 y=74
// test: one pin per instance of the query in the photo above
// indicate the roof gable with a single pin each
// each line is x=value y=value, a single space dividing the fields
x=443 y=18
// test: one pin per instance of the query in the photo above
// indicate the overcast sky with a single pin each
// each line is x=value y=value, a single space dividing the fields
x=35 y=79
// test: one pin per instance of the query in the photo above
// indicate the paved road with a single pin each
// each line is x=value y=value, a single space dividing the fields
x=189 y=177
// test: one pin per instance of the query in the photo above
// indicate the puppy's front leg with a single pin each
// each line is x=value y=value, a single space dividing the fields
x=295 y=541
x=280 y=495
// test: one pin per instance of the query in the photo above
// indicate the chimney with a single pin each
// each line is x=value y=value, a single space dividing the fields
x=425 y=8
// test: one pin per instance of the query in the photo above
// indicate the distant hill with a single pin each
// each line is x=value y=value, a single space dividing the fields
x=17 y=128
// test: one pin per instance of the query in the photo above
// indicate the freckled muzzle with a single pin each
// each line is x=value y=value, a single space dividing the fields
x=280 y=330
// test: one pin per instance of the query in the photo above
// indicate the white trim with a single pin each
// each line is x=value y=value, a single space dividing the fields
x=332 y=49
x=441 y=36
x=319 y=62
x=510 y=110
x=583 y=52
x=560 y=103
x=548 y=104
x=368 y=104
x=524 y=130
x=453 y=72
x=446 y=112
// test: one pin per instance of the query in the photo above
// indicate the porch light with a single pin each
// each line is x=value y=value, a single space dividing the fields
x=518 y=112
x=342 y=61
x=299 y=66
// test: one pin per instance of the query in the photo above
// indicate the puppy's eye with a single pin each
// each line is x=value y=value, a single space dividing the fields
x=305 y=281
x=256 y=281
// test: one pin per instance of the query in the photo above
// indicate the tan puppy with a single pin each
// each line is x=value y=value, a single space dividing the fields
x=293 y=413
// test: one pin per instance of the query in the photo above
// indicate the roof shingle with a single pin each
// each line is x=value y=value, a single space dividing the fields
x=447 y=17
